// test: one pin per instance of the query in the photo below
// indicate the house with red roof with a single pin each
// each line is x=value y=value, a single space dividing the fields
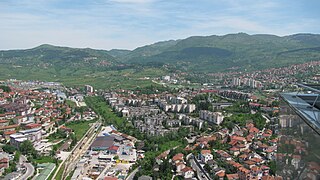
x=8 y=133
x=178 y=158
x=206 y=156
x=4 y=123
x=220 y=174
x=9 y=128
x=32 y=126
x=243 y=173
x=232 y=176
x=179 y=167
x=113 y=149
x=4 y=162
x=187 y=172
x=110 y=178
x=296 y=161
x=256 y=172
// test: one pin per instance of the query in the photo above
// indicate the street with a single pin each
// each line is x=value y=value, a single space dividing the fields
x=29 y=168
x=80 y=149
x=199 y=171
x=131 y=175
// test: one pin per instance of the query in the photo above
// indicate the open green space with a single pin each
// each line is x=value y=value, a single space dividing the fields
x=60 y=172
x=70 y=103
x=45 y=159
x=108 y=79
x=79 y=127
x=48 y=168
x=99 y=105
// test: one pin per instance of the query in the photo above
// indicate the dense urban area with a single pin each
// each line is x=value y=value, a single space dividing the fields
x=182 y=126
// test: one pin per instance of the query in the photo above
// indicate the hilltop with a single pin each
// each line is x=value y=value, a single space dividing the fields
x=194 y=54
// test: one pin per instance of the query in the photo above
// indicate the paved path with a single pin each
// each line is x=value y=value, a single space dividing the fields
x=29 y=166
x=133 y=173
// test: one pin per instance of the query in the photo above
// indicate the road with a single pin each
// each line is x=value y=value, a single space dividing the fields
x=200 y=172
x=131 y=175
x=77 y=151
x=80 y=148
x=29 y=167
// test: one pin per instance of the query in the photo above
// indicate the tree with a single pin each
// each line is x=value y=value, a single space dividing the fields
x=273 y=167
x=9 y=148
x=5 y=88
x=17 y=156
x=2 y=110
x=27 y=148
x=207 y=168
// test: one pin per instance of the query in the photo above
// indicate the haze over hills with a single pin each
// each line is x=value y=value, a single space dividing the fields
x=194 y=54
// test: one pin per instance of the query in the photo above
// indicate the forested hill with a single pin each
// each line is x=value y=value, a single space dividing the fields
x=220 y=53
x=194 y=54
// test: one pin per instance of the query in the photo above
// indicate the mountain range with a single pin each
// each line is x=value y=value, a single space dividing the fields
x=194 y=54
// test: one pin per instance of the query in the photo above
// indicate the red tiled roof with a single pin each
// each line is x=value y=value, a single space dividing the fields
x=205 y=152
x=221 y=173
x=3 y=121
x=9 y=132
x=9 y=127
x=249 y=162
x=110 y=178
x=178 y=157
x=238 y=138
x=186 y=169
x=33 y=125
x=256 y=160
x=296 y=156
x=114 y=148
x=253 y=130
x=232 y=176
x=4 y=160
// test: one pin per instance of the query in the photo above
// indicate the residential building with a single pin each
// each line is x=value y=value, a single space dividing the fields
x=211 y=117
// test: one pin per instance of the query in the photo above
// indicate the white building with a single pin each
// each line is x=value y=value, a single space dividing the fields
x=88 y=89
x=213 y=117
x=33 y=135
x=206 y=156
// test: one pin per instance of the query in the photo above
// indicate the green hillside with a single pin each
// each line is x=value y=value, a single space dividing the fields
x=114 y=68
x=243 y=51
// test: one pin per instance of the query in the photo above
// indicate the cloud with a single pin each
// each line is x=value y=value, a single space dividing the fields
x=107 y=24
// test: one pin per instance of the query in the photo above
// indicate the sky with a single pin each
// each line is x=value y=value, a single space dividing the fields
x=128 y=24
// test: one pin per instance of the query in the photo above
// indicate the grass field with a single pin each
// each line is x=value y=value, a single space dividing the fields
x=79 y=127
x=71 y=103
x=45 y=159
x=59 y=174
x=100 y=106
x=109 y=79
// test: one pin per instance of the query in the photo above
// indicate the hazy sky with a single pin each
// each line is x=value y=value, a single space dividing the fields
x=107 y=24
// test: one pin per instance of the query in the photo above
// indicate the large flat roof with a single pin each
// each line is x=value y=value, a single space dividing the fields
x=103 y=141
